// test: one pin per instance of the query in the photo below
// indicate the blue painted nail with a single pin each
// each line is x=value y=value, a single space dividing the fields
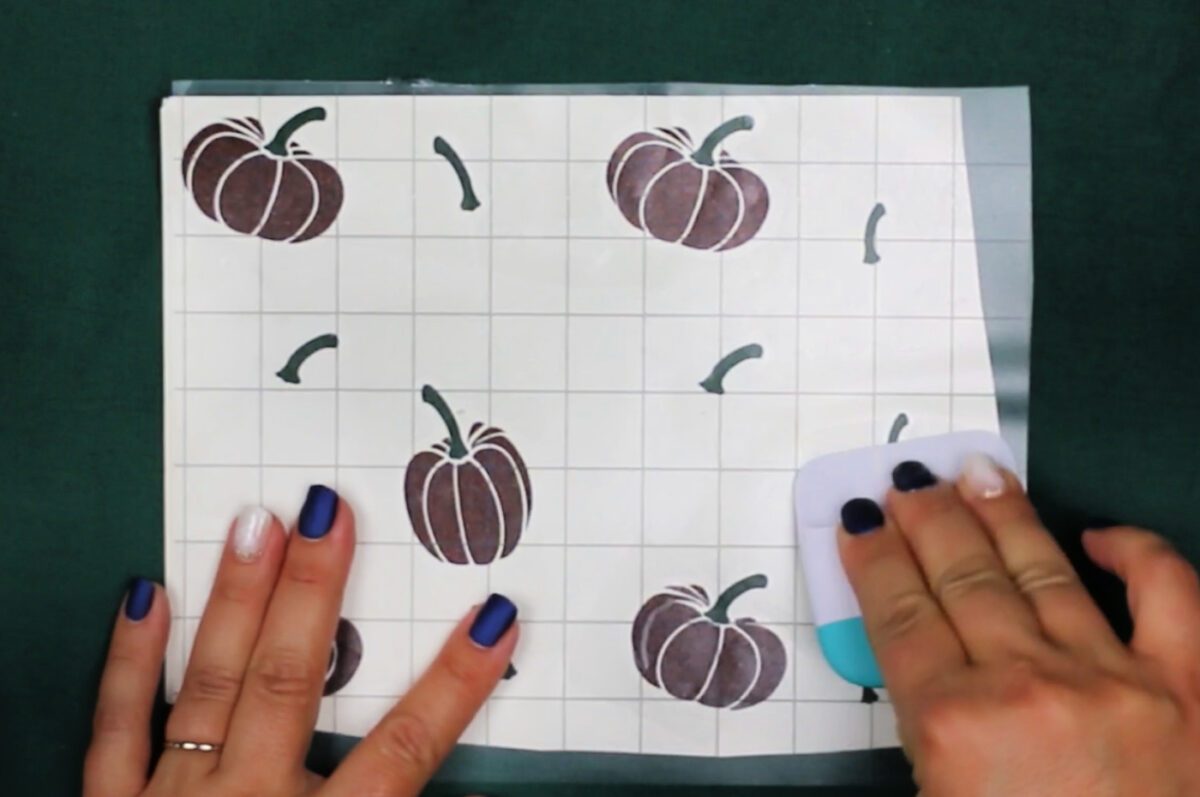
x=860 y=515
x=912 y=475
x=138 y=599
x=318 y=512
x=495 y=617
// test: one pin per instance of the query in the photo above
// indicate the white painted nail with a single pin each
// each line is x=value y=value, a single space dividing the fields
x=982 y=477
x=250 y=533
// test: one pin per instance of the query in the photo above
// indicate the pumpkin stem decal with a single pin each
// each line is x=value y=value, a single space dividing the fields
x=897 y=427
x=714 y=382
x=468 y=499
x=274 y=190
x=689 y=647
x=442 y=147
x=870 y=256
x=696 y=196
x=290 y=372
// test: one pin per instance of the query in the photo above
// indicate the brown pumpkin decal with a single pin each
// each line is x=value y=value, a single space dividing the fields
x=345 y=652
x=688 y=646
x=681 y=194
x=272 y=189
x=468 y=500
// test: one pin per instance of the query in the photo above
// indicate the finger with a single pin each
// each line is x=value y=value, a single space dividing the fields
x=273 y=720
x=1163 y=593
x=226 y=636
x=962 y=568
x=910 y=636
x=405 y=748
x=1034 y=561
x=119 y=755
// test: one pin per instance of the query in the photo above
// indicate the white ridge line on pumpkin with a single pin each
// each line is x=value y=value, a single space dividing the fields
x=642 y=653
x=437 y=549
x=758 y=668
x=525 y=502
x=712 y=668
x=230 y=169
x=612 y=189
x=695 y=208
x=662 y=652
x=499 y=508
x=741 y=216
x=316 y=203
x=187 y=179
x=262 y=221
x=462 y=525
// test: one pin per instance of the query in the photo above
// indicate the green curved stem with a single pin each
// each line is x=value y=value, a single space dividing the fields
x=713 y=383
x=704 y=155
x=278 y=145
x=897 y=427
x=442 y=147
x=719 y=613
x=458 y=449
x=290 y=372
x=870 y=255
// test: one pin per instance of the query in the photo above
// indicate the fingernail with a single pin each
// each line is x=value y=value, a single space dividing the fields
x=860 y=515
x=981 y=476
x=250 y=533
x=494 y=618
x=318 y=512
x=138 y=599
x=912 y=475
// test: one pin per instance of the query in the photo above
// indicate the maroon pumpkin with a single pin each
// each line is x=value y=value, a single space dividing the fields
x=345 y=652
x=690 y=648
x=274 y=190
x=678 y=193
x=468 y=500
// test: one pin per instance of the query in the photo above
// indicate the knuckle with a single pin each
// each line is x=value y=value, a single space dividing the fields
x=406 y=740
x=114 y=720
x=299 y=571
x=1044 y=577
x=463 y=672
x=925 y=508
x=285 y=676
x=970 y=575
x=212 y=683
x=234 y=591
x=905 y=613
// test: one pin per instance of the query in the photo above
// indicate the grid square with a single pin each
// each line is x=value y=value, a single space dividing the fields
x=918 y=202
x=378 y=198
x=222 y=351
x=604 y=430
x=284 y=488
x=767 y=730
x=774 y=604
x=760 y=279
x=681 y=507
x=428 y=637
x=377 y=496
x=1009 y=295
x=529 y=276
x=835 y=201
x=599 y=124
x=443 y=591
x=884 y=729
x=536 y=423
x=374 y=427
x=776 y=128
x=201 y=564
x=974 y=412
x=529 y=353
x=384 y=668
x=605 y=276
x=782 y=181
x=452 y=352
x=593 y=212
x=374 y=351
x=374 y=275
x=914 y=279
x=927 y=416
x=539 y=663
x=827 y=424
x=677 y=727
x=837 y=128
x=439 y=209
x=535 y=724
x=814 y=678
x=298 y=427
x=547 y=517
x=527 y=199
x=756 y=508
x=600 y=662
x=300 y=278
x=222 y=427
x=680 y=351
x=464 y=121
x=775 y=371
x=983 y=206
x=526 y=127
x=374 y=128
x=913 y=355
x=602 y=583
x=916 y=129
x=368 y=596
x=681 y=431
x=834 y=280
x=604 y=353
x=452 y=276
x=221 y=273
x=214 y=497
x=836 y=355
x=603 y=725
x=282 y=334
x=530 y=577
x=824 y=727
x=758 y=431
x=677 y=566
x=972 y=358
x=682 y=281
x=604 y=507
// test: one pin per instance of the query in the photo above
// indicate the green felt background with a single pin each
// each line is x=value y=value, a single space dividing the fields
x=1116 y=106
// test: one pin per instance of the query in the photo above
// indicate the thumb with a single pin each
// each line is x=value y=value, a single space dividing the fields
x=1162 y=589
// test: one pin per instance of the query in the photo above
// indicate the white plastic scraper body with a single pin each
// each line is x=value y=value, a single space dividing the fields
x=822 y=486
